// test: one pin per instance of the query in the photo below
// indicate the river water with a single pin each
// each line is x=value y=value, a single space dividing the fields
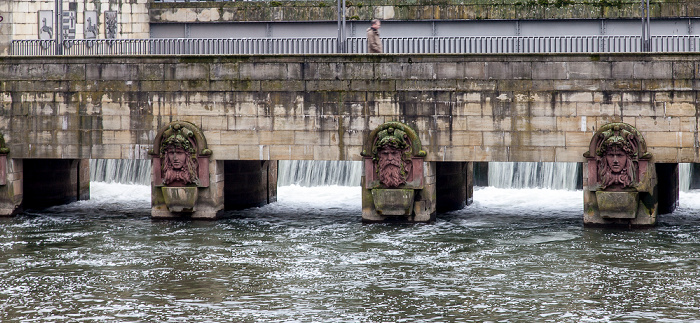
x=518 y=255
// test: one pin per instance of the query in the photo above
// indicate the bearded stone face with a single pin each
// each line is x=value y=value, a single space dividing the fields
x=391 y=168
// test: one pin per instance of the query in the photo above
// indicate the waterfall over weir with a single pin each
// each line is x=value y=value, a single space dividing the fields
x=319 y=172
x=558 y=176
x=125 y=171
x=564 y=176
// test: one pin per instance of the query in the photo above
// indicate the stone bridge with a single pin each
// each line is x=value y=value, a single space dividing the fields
x=60 y=111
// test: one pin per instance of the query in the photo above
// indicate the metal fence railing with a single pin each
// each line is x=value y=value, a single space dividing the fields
x=329 y=45
x=177 y=46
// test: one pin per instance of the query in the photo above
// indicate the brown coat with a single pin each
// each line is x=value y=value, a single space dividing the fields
x=374 y=43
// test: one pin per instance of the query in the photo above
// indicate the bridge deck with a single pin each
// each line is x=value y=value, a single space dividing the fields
x=498 y=107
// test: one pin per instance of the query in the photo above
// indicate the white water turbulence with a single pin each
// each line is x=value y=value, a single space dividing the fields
x=319 y=172
x=518 y=255
x=125 y=171
x=558 y=176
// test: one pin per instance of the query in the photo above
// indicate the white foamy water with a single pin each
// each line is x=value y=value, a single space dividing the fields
x=349 y=198
x=514 y=255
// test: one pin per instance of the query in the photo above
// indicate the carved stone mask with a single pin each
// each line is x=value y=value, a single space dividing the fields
x=392 y=157
x=178 y=153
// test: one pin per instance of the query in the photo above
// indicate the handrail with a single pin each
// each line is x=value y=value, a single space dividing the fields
x=328 y=45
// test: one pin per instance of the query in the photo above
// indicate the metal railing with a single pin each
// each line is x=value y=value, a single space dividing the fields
x=329 y=45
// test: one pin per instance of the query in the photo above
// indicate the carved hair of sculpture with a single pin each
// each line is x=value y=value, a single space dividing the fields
x=616 y=167
x=392 y=157
x=178 y=153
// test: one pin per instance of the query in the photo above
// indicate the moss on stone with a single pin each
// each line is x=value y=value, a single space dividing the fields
x=440 y=9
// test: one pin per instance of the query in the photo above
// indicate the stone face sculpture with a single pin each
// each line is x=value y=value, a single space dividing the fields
x=180 y=166
x=619 y=148
x=394 y=180
x=621 y=185
x=179 y=158
x=616 y=159
x=392 y=155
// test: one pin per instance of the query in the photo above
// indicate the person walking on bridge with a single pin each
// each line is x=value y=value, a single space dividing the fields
x=374 y=43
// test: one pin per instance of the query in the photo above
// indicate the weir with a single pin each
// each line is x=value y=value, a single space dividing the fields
x=258 y=110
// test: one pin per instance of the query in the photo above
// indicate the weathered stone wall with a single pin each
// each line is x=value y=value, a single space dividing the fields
x=542 y=107
x=21 y=17
x=416 y=10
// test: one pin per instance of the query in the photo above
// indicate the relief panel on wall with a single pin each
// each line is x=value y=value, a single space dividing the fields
x=68 y=24
x=45 y=24
x=110 y=24
x=90 y=25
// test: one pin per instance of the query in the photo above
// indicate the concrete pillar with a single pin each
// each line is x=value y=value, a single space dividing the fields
x=11 y=192
x=49 y=182
x=454 y=185
x=668 y=187
x=249 y=183
x=481 y=173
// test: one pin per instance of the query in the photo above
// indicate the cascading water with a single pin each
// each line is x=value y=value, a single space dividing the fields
x=125 y=171
x=290 y=172
x=559 y=176
x=684 y=174
x=565 y=176
x=319 y=172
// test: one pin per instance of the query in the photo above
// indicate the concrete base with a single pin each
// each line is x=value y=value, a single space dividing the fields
x=209 y=203
x=455 y=188
x=49 y=182
x=604 y=208
x=669 y=188
x=424 y=202
x=250 y=183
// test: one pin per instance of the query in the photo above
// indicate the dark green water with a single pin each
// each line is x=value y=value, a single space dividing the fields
x=309 y=259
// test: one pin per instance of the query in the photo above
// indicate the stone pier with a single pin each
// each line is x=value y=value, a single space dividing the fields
x=187 y=182
x=619 y=180
x=249 y=183
x=454 y=185
x=668 y=187
x=397 y=184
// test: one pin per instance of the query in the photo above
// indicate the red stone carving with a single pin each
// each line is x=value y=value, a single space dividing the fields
x=620 y=158
x=393 y=157
x=181 y=158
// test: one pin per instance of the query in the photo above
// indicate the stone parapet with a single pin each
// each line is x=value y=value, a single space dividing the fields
x=208 y=12
x=538 y=107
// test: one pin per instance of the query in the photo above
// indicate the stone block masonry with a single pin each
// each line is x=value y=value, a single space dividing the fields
x=209 y=12
x=539 y=107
